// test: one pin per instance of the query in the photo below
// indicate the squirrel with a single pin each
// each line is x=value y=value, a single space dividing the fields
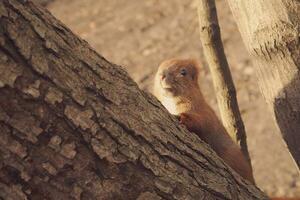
x=176 y=86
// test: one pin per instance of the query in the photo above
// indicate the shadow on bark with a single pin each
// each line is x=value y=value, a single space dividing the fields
x=287 y=113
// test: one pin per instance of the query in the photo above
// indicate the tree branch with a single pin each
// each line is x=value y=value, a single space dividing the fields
x=224 y=87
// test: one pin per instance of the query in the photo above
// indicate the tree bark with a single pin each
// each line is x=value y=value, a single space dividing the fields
x=74 y=126
x=210 y=36
x=270 y=29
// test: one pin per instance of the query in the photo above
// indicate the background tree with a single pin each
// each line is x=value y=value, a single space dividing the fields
x=270 y=30
x=74 y=126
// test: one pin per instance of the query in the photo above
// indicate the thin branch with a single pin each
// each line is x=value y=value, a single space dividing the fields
x=225 y=91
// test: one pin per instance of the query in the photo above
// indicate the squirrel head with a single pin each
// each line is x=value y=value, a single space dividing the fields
x=177 y=77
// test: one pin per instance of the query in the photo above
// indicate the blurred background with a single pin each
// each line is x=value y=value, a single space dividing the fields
x=138 y=35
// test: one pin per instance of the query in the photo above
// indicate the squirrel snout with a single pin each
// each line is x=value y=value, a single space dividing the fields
x=166 y=81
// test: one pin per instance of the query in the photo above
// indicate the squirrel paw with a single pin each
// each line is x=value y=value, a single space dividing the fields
x=188 y=120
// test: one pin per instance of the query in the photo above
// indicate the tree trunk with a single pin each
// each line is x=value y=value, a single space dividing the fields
x=270 y=30
x=74 y=126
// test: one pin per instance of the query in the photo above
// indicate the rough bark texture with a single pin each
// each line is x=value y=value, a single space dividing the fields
x=226 y=94
x=74 y=126
x=270 y=30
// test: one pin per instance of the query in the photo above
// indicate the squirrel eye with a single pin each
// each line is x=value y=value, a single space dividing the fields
x=183 y=72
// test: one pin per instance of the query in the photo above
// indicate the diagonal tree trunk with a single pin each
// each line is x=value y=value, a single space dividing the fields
x=74 y=126
x=270 y=30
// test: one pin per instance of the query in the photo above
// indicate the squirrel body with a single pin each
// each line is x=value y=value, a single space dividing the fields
x=176 y=86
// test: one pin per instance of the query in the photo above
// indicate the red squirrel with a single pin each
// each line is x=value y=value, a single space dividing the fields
x=176 y=86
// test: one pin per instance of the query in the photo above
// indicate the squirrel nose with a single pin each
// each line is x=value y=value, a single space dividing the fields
x=163 y=76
